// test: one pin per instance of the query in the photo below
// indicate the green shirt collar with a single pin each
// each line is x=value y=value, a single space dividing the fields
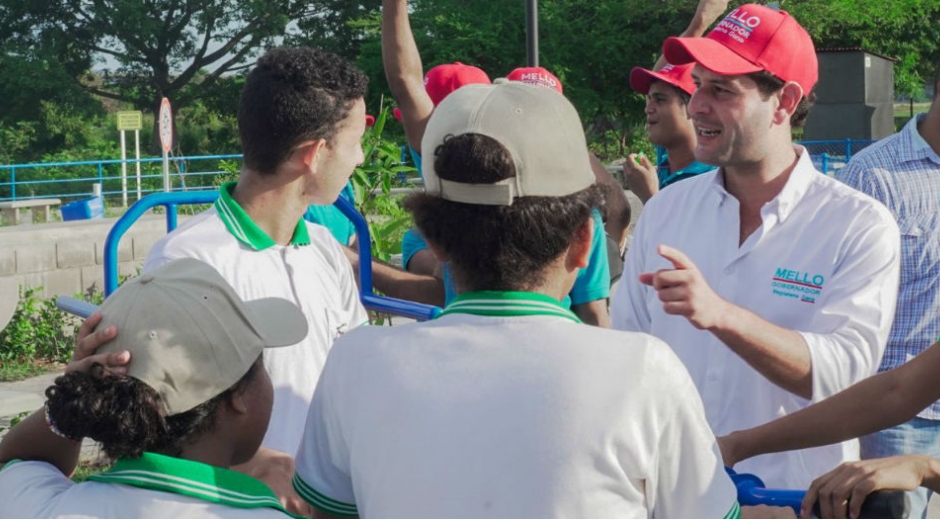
x=240 y=225
x=193 y=479
x=506 y=304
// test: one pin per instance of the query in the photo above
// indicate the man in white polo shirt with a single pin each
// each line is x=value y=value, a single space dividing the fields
x=300 y=119
x=774 y=284
x=507 y=405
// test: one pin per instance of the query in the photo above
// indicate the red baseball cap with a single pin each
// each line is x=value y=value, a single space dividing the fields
x=537 y=77
x=679 y=76
x=444 y=79
x=752 y=38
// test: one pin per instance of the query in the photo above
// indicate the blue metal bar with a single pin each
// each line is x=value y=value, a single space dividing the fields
x=170 y=200
x=13 y=181
x=370 y=300
x=171 y=221
x=133 y=213
x=848 y=150
x=825 y=163
x=751 y=492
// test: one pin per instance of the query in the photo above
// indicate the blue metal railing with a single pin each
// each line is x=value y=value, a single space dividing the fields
x=370 y=300
x=107 y=173
x=829 y=156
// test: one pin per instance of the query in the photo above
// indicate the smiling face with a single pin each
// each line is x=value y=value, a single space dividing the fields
x=667 y=119
x=732 y=119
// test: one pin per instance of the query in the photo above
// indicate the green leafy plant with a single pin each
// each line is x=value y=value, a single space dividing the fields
x=373 y=182
x=39 y=335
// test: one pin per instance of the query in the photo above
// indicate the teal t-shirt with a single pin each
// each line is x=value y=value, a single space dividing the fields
x=593 y=282
x=667 y=177
x=333 y=219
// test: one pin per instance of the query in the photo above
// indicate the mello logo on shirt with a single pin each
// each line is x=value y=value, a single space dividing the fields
x=799 y=285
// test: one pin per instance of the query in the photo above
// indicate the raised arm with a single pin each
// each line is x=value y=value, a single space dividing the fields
x=876 y=403
x=705 y=15
x=403 y=70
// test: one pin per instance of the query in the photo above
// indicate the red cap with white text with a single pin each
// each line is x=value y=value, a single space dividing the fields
x=752 y=38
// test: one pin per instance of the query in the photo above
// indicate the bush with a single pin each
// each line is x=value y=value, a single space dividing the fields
x=39 y=334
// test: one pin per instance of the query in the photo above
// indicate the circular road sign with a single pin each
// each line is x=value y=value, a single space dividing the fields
x=166 y=125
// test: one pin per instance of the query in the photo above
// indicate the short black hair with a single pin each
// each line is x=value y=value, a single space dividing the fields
x=127 y=416
x=294 y=94
x=498 y=248
x=769 y=84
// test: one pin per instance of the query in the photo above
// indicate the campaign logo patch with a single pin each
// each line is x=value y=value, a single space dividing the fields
x=798 y=285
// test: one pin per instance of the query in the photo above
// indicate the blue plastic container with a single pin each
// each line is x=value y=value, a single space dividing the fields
x=83 y=209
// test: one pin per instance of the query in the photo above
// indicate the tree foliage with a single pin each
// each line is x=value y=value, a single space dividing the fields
x=144 y=50
x=193 y=51
x=901 y=29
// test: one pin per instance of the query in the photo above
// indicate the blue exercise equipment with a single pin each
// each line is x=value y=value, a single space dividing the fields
x=170 y=201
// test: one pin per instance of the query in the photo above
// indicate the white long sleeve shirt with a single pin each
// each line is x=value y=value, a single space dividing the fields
x=825 y=263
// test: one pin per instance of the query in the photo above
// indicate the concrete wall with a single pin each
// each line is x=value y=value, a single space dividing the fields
x=855 y=97
x=65 y=258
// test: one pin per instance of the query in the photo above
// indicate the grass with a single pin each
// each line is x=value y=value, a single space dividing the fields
x=18 y=371
x=904 y=109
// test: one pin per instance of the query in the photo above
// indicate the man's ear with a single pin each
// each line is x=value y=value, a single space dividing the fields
x=579 y=252
x=312 y=152
x=788 y=98
x=236 y=403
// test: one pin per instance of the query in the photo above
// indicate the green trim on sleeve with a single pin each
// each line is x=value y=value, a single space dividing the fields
x=321 y=501
x=735 y=511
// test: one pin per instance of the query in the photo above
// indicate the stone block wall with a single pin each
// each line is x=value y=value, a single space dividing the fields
x=65 y=258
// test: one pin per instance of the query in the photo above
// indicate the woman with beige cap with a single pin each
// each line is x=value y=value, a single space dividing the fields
x=176 y=399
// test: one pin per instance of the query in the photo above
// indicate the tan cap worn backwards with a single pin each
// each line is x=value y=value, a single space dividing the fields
x=538 y=126
x=190 y=336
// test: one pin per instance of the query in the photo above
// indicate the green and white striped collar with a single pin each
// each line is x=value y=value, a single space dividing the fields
x=240 y=225
x=193 y=479
x=505 y=304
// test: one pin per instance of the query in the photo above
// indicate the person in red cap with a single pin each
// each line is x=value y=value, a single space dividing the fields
x=670 y=129
x=774 y=284
x=668 y=89
x=417 y=100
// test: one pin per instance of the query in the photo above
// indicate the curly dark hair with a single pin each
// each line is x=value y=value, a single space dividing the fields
x=768 y=84
x=502 y=248
x=126 y=416
x=294 y=94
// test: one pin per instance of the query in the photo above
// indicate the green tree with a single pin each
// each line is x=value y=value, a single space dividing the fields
x=148 y=49
x=902 y=29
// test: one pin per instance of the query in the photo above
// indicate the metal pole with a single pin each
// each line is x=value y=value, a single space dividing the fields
x=123 y=171
x=532 y=32
x=137 y=156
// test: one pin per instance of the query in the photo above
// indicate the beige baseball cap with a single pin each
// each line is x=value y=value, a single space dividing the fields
x=190 y=336
x=538 y=126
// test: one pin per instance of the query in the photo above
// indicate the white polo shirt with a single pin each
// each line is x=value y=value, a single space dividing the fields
x=825 y=263
x=312 y=272
x=153 y=486
x=507 y=406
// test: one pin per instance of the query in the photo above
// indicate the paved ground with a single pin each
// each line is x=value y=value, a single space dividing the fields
x=26 y=396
